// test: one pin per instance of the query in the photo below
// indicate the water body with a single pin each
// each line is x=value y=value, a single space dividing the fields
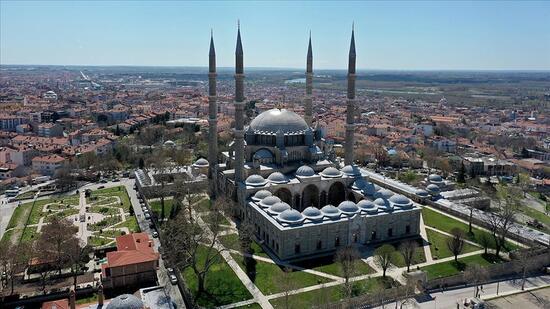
x=296 y=81
x=401 y=91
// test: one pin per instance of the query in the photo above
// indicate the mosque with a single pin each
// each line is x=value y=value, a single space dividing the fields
x=288 y=184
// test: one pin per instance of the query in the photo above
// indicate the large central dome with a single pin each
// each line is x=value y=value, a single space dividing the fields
x=276 y=119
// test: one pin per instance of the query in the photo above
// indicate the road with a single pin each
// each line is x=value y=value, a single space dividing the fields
x=7 y=209
x=449 y=298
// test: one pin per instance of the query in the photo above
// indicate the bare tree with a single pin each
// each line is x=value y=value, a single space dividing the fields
x=77 y=256
x=485 y=241
x=456 y=242
x=285 y=282
x=55 y=238
x=160 y=162
x=502 y=220
x=347 y=258
x=408 y=249
x=13 y=259
x=189 y=244
x=384 y=257
x=522 y=264
x=476 y=274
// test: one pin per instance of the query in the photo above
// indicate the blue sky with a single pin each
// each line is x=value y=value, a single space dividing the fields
x=408 y=35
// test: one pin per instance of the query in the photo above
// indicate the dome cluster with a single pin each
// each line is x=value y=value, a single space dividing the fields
x=286 y=214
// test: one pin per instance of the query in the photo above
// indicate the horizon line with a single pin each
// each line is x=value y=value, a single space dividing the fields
x=284 y=68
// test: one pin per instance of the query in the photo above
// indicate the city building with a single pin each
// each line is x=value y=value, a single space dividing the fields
x=47 y=165
x=135 y=261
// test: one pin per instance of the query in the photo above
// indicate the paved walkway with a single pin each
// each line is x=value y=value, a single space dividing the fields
x=426 y=245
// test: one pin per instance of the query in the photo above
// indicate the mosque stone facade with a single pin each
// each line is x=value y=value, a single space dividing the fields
x=289 y=186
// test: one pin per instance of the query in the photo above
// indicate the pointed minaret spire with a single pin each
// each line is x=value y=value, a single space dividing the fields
x=309 y=84
x=212 y=54
x=350 y=113
x=239 y=65
x=212 y=118
x=239 y=111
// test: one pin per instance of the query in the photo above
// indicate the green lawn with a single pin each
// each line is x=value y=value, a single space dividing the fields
x=231 y=241
x=332 y=294
x=106 y=222
x=329 y=266
x=119 y=191
x=204 y=205
x=96 y=241
x=451 y=268
x=251 y=306
x=418 y=258
x=26 y=195
x=19 y=214
x=438 y=245
x=104 y=210
x=208 y=220
x=131 y=223
x=7 y=237
x=61 y=214
x=222 y=285
x=29 y=234
x=157 y=208
x=109 y=233
x=267 y=276
x=446 y=224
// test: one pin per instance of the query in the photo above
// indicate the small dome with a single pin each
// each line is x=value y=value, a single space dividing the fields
x=312 y=213
x=277 y=177
x=351 y=170
x=366 y=204
x=255 y=181
x=290 y=216
x=269 y=201
x=260 y=195
x=421 y=192
x=331 y=172
x=348 y=207
x=202 y=162
x=400 y=200
x=380 y=202
x=433 y=189
x=331 y=211
x=435 y=178
x=384 y=193
x=169 y=143
x=278 y=208
x=263 y=154
x=305 y=171
x=125 y=301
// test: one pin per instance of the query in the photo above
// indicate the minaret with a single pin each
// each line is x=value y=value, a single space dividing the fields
x=239 y=110
x=350 y=115
x=309 y=84
x=212 y=117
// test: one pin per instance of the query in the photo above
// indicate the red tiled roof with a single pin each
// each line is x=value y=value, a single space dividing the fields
x=132 y=249
x=56 y=304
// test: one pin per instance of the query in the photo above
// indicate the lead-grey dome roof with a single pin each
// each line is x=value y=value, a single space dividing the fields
x=305 y=171
x=270 y=201
x=277 y=177
x=125 y=301
x=351 y=170
x=384 y=193
x=348 y=207
x=276 y=119
x=278 y=208
x=400 y=200
x=290 y=216
x=260 y=195
x=255 y=181
x=312 y=213
x=202 y=162
x=331 y=211
x=435 y=178
x=433 y=188
x=331 y=172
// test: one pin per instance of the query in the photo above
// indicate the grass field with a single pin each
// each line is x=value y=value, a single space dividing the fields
x=439 y=248
x=131 y=223
x=538 y=215
x=61 y=214
x=29 y=234
x=106 y=222
x=204 y=205
x=268 y=277
x=329 y=266
x=97 y=241
x=222 y=285
x=446 y=224
x=451 y=268
x=331 y=294
x=231 y=241
x=104 y=210
x=119 y=191
x=156 y=207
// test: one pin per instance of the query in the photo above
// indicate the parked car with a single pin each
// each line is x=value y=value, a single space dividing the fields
x=170 y=271
x=155 y=234
x=147 y=216
x=173 y=279
x=101 y=187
